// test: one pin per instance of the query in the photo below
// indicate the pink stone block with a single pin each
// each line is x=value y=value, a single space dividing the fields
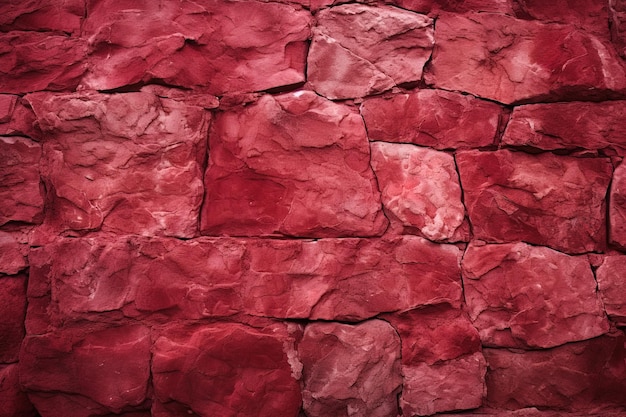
x=611 y=276
x=617 y=207
x=39 y=15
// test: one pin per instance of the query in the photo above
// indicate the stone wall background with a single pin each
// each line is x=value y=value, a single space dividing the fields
x=244 y=208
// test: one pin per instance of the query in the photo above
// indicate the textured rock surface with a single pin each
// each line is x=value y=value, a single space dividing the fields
x=512 y=60
x=524 y=296
x=12 y=254
x=224 y=45
x=38 y=15
x=12 y=311
x=112 y=158
x=545 y=199
x=330 y=279
x=442 y=365
x=224 y=369
x=574 y=376
x=14 y=402
x=21 y=199
x=420 y=186
x=32 y=61
x=617 y=207
x=435 y=118
x=568 y=126
x=350 y=370
x=612 y=287
x=83 y=372
x=294 y=164
x=359 y=50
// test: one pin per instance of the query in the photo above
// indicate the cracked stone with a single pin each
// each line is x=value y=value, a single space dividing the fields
x=359 y=50
x=512 y=60
x=203 y=43
x=544 y=199
x=610 y=276
x=522 y=296
x=435 y=118
x=294 y=164
x=568 y=126
x=420 y=186
x=350 y=369
x=617 y=207
x=111 y=158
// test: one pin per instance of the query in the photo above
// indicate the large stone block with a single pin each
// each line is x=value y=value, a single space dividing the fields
x=513 y=60
x=587 y=375
x=359 y=50
x=435 y=118
x=293 y=164
x=14 y=401
x=86 y=371
x=225 y=46
x=225 y=369
x=545 y=199
x=617 y=207
x=531 y=297
x=123 y=163
x=12 y=314
x=576 y=125
x=350 y=369
x=420 y=186
x=34 y=61
x=21 y=195
x=39 y=15
x=611 y=276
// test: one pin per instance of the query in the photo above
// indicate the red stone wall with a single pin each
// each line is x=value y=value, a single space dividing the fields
x=220 y=208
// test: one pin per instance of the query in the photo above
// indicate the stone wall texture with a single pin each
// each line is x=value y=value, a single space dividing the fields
x=312 y=208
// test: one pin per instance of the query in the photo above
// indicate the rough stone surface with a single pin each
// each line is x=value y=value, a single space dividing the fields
x=434 y=7
x=617 y=19
x=12 y=311
x=350 y=370
x=573 y=126
x=420 y=186
x=435 y=118
x=512 y=60
x=84 y=371
x=37 y=15
x=116 y=163
x=16 y=118
x=14 y=402
x=294 y=164
x=329 y=279
x=359 y=50
x=612 y=286
x=545 y=199
x=530 y=297
x=225 y=369
x=442 y=365
x=12 y=254
x=617 y=207
x=575 y=376
x=21 y=199
x=32 y=61
x=226 y=46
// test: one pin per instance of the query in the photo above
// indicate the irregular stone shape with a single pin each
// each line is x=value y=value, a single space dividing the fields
x=293 y=164
x=434 y=7
x=38 y=15
x=612 y=287
x=420 y=186
x=509 y=60
x=108 y=159
x=226 y=46
x=14 y=402
x=575 y=376
x=12 y=254
x=16 y=118
x=86 y=372
x=545 y=199
x=359 y=50
x=525 y=296
x=617 y=207
x=12 y=312
x=21 y=198
x=350 y=369
x=457 y=384
x=442 y=365
x=166 y=279
x=435 y=118
x=33 y=61
x=225 y=369
x=589 y=15
x=617 y=19
x=568 y=126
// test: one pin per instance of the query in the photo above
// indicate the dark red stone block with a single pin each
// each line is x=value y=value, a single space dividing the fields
x=12 y=313
x=42 y=15
x=612 y=287
x=545 y=199
x=617 y=207
x=14 y=401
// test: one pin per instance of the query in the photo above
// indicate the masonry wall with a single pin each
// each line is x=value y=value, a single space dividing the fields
x=221 y=208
